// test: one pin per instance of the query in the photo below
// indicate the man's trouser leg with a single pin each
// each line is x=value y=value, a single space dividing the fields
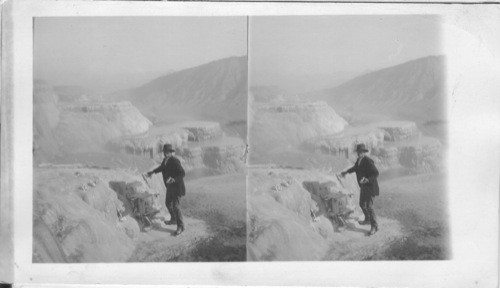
x=169 y=199
x=177 y=211
x=363 y=204
x=366 y=203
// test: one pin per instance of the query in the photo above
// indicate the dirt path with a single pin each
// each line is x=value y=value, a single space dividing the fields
x=159 y=243
x=214 y=218
x=354 y=244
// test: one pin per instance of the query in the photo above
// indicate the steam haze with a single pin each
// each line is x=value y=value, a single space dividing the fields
x=104 y=54
x=302 y=53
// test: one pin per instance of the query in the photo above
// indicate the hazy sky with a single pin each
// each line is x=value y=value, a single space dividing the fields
x=304 y=52
x=108 y=53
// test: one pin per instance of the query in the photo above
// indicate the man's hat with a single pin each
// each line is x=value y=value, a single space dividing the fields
x=361 y=148
x=168 y=148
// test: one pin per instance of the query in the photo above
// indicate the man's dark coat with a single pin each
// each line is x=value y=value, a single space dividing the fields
x=172 y=168
x=366 y=168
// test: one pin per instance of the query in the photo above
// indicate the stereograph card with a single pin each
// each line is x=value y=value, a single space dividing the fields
x=249 y=144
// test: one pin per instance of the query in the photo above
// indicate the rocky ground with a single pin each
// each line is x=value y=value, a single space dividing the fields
x=412 y=224
x=77 y=218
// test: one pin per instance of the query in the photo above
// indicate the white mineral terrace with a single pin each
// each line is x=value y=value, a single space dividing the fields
x=398 y=130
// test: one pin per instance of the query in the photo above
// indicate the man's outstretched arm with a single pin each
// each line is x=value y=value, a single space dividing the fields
x=348 y=171
x=155 y=171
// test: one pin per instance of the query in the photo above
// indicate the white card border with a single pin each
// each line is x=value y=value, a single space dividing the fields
x=473 y=83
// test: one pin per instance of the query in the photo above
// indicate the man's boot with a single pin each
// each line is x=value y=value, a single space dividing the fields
x=171 y=222
x=366 y=221
x=173 y=219
x=373 y=230
x=180 y=229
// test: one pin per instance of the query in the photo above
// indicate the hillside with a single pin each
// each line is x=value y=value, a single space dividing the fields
x=214 y=91
x=410 y=91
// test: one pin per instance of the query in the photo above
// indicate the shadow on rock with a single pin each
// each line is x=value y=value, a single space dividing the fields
x=137 y=201
x=119 y=187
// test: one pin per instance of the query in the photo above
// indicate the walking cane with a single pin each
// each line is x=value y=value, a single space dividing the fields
x=340 y=181
x=145 y=180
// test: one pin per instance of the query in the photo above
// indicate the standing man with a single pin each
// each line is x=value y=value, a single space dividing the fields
x=173 y=175
x=366 y=174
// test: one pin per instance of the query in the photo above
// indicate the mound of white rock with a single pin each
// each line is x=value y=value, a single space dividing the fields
x=290 y=123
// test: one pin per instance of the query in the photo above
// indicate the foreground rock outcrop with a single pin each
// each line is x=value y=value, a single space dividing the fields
x=282 y=227
x=85 y=215
x=76 y=216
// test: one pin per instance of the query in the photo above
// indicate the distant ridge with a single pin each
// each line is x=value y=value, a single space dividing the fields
x=413 y=90
x=213 y=91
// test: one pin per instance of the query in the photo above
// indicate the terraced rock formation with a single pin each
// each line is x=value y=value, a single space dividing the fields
x=275 y=126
